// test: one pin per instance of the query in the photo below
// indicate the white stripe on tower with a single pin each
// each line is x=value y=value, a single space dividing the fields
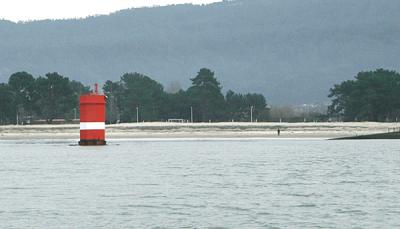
x=92 y=126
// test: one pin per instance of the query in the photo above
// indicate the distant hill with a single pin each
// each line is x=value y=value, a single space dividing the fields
x=292 y=51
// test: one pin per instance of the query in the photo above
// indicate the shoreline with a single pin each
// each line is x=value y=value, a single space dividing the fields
x=162 y=130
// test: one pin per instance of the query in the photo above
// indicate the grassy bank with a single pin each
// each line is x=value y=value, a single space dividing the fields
x=203 y=130
x=392 y=135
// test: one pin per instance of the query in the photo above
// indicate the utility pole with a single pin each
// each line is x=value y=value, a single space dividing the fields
x=191 y=114
x=251 y=114
x=137 y=114
x=111 y=102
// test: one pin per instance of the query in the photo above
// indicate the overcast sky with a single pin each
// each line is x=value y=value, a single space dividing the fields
x=23 y=10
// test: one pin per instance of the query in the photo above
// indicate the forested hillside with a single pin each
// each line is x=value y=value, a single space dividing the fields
x=289 y=50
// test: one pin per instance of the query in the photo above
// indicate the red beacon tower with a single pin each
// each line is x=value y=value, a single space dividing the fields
x=92 y=119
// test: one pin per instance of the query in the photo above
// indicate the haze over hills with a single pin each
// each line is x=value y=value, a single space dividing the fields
x=291 y=51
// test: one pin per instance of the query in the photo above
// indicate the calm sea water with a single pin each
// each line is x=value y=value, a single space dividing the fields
x=200 y=184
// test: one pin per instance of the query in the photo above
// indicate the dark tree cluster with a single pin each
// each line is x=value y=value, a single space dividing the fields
x=25 y=98
x=136 y=97
x=371 y=96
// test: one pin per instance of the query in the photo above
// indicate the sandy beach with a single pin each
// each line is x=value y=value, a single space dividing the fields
x=201 y=130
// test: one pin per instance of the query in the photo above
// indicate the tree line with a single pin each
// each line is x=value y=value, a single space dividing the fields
x=25 y=98
x=371 y=96
x=135 y=97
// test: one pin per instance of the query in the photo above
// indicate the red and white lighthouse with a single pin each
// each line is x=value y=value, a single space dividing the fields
x=92 y=119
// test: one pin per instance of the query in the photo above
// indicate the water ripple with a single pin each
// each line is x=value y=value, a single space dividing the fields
x=201 y=184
